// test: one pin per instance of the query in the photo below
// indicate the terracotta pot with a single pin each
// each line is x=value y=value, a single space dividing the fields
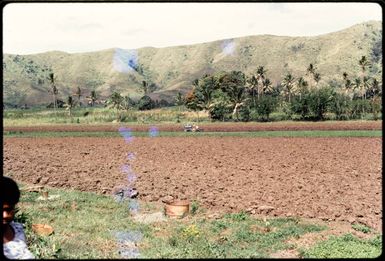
x=177 y=208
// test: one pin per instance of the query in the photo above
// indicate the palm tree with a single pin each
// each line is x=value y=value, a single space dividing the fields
x=252 y=85
x=302 y=86
x=145 y=88
x=288 y=85
x=373 y=89
x=78 y=93
x=93 y=97
x=317 y=78
x=348 y=84
x=261 y=73
x=179 y=101
x=54 y=90
x=345 y=76
x=310 y=71
x=69 y=105
x=267 y=86
x=357 y=85
x=115 y=101
x=365 y=86
x=363 y=62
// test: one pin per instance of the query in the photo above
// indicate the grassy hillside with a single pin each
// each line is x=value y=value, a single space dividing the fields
x=172 y=69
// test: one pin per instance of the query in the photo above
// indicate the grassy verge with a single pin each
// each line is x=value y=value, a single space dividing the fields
x=351 y=133
x=101 y=115
x=346 y=246
x=89 y=115
x=84 y=226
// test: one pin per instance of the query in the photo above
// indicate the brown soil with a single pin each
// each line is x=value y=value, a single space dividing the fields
x=333 y=179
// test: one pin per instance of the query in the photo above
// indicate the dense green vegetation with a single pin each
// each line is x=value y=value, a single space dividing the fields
x=85 y=226
x=235 y=96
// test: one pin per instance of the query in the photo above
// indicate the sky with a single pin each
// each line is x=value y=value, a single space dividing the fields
x=30 y=28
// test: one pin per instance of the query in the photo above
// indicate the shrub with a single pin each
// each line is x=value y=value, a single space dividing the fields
x=340 y=105
x=220 y=108
x=376 y=107
x=300 y=105
x=244 y=113
x=265 y=106
x=146 y=103
x=319 y=102
x=194 y=207
x=359 y=107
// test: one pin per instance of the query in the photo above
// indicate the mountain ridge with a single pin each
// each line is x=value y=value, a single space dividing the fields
x=171 y=69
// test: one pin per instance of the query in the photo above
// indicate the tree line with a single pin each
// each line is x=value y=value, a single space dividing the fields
x=240 y=97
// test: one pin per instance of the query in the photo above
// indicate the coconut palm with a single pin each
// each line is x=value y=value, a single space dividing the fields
x=252 y=85
x=78 y=94
x=261 y=74
x=302 y=86
x=288 y=85
x=144 y=87
x=93 y=97
x=310 y=72
x=348 y=84
x=317 y=78
x=363 y=62
x=179 y=101
x=374 y=89
x=267 y=86
x=311 y=69
x=345 y=76
x=69 y=105
x=356 y=85
x=115 y=101
x=54 y=90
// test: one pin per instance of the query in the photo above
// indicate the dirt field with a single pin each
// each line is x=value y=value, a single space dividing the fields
x=328 y=178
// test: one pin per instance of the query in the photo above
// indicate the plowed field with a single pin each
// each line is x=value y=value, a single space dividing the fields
x=328 y=178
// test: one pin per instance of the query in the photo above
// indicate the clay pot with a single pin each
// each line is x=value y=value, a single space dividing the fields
x=177 y=208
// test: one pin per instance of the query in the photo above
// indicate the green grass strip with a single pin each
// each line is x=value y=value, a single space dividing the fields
x=85 y=224
x=346 y=246
x=331 y=133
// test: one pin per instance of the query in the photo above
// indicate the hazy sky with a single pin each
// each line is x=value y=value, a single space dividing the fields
x=81 y=27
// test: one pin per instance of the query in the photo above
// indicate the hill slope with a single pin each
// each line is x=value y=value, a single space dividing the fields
x=172 y=69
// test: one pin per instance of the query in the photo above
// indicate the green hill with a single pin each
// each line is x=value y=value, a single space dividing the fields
x=172 y=69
